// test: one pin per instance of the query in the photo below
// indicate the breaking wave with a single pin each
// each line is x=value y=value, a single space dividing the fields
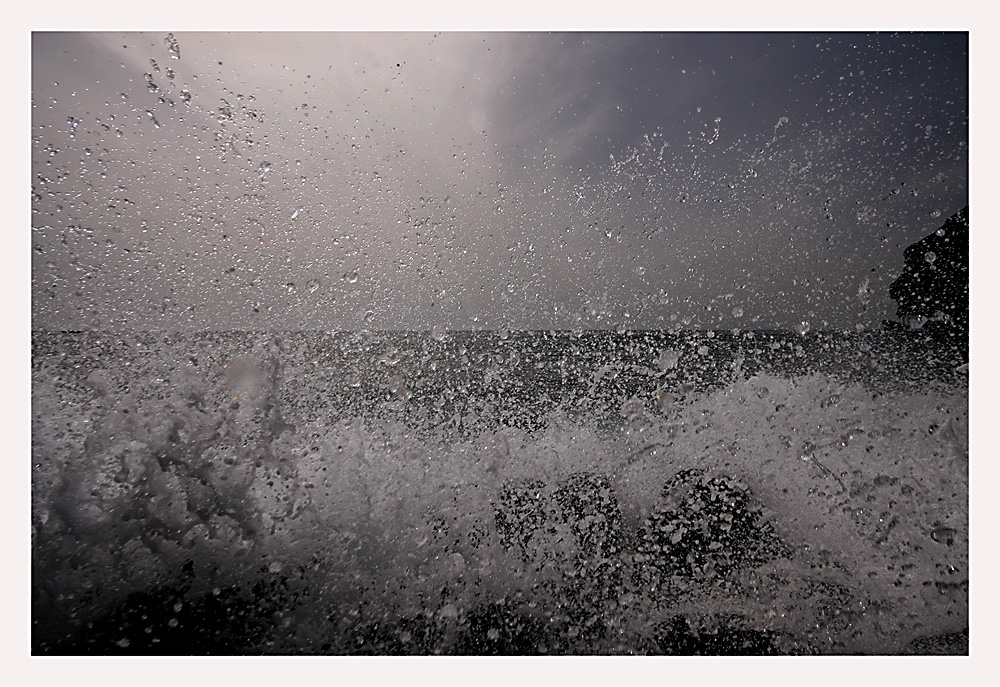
x=227 y=494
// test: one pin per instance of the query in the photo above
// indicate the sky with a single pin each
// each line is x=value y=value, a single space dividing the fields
x=487 y=180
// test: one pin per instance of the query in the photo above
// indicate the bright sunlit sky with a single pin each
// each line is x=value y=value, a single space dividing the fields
x=487 y=179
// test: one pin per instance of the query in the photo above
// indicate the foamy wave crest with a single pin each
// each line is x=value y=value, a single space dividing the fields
x=206 y=503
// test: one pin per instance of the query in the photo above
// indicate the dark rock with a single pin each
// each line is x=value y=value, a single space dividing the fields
x=173 y=620
x=405 y=636
x=165 y=622
x=588 y=504
x=498 y=630
x=519 y=513
x=587 y=565
x=707 y=527
x=676 y=638
x=594 y=578
x=933 y=290
x=584 y=501
x=955 y=644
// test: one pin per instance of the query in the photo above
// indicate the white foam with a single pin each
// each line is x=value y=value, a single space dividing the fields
x=868 y=490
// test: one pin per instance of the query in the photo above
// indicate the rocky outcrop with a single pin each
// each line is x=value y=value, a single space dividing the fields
x=707 y=527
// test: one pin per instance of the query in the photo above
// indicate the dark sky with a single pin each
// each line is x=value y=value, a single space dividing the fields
x=487 y=180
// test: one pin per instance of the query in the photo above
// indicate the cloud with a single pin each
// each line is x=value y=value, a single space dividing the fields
x=409 y=180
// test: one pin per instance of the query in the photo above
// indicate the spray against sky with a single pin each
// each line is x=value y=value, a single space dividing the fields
x=487 y=180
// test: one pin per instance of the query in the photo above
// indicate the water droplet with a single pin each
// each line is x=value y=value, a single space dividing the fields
x=803 y=327
x=312 y=285
x=172 y=46
x=438 y=333
x=806 y=453
x=737 y=312
x=632 y=407
x=668 y=359
x=929 y=256
x=864 y=292
x=944 y=535
x=397 y=386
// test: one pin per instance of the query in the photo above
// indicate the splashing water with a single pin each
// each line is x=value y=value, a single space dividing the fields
x=357 y=493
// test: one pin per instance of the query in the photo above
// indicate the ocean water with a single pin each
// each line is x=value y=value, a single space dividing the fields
x=524 y=493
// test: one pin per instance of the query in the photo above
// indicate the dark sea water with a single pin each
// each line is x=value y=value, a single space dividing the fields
x=499 y=493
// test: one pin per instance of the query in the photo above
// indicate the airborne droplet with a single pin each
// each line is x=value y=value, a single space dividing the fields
x=668 y=359
x=397 y=386
x=172 y=46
